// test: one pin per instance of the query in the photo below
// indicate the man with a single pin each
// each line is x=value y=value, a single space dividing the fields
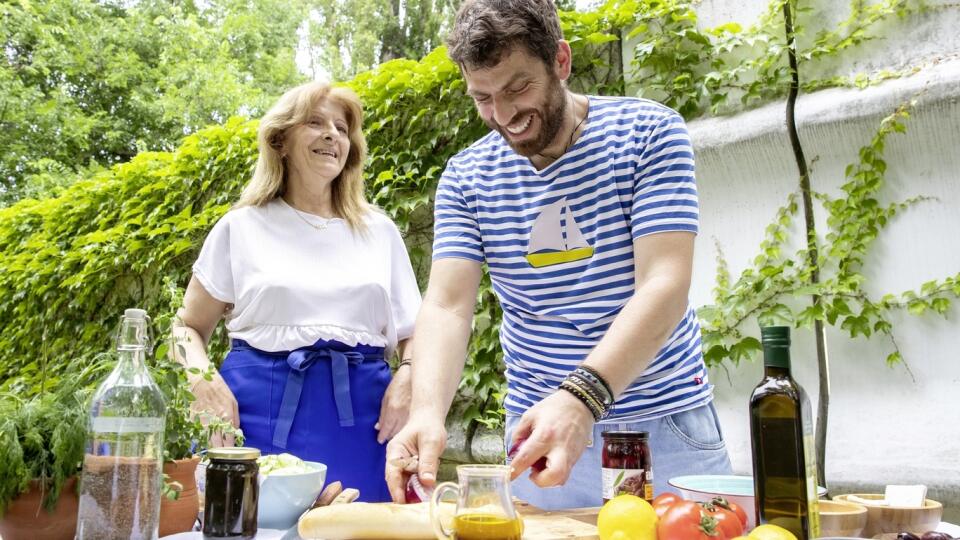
x=584 y=210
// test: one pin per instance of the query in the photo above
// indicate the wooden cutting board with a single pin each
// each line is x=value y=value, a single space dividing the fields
x=579 y=524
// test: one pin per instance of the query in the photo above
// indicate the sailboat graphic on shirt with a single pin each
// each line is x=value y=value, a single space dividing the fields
x=555 y=238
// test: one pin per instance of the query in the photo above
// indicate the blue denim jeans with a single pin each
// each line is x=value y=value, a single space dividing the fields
x=687 y=442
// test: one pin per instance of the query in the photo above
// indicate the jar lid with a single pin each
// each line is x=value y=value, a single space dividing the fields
x=235 y=453
x=626 y=435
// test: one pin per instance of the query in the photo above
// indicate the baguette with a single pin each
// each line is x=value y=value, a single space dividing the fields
x=367 y=521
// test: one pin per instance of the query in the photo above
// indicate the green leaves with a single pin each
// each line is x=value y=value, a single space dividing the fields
x=89 y=84
x=841 y=296
x=98 y=83
x=41 y=437
x=745 y=349
x=727 y=67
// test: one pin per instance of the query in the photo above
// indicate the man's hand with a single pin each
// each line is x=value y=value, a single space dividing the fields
x=395 y=405
x=558 y=428
x=213 y=397
x=421 y=437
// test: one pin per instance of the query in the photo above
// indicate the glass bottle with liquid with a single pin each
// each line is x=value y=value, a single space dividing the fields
x=781 y=432
x=122 y=466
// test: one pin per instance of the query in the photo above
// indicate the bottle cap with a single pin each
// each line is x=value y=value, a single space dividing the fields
x=233 y=453
x=135 y=313
x=775 y=335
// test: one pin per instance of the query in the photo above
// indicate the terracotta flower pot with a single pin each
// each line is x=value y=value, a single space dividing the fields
x=25 y=518
x=179 y=515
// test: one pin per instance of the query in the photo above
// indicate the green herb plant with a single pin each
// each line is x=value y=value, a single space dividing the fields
x=42 y=439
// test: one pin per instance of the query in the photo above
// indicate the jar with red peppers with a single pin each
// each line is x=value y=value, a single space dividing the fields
x=627 y=466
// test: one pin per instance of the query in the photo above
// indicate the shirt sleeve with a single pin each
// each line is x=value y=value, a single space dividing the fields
x=214 y=268
x=665 y=191
x=456 y=232
x=404 y=291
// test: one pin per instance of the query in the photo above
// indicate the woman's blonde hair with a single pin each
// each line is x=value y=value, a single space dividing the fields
x=295 y=107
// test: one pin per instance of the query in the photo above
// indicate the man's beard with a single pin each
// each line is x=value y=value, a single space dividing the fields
x=550 y=112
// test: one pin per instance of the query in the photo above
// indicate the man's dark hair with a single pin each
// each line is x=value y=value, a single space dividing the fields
x=486 y=30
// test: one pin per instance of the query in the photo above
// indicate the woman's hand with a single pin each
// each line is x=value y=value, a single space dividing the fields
x=395 y=405
x=214 y=398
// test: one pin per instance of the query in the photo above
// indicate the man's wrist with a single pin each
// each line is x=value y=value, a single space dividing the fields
x=429 y=413
x=582 y=401
x=597 y=394
x=589 y=388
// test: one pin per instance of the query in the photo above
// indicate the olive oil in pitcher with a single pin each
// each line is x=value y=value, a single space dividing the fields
x=486 y=527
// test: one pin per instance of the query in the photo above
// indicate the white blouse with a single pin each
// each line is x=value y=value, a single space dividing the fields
x=291 y=284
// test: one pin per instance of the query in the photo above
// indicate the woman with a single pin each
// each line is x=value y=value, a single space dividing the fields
x=317 y=290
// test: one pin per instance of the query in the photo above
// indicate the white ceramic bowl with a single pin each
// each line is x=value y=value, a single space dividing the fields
x=703 y=487
x=284 y=497
x=738 y=489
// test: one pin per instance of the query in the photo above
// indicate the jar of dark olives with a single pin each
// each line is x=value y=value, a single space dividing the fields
x=230 y=499
x=626 y=465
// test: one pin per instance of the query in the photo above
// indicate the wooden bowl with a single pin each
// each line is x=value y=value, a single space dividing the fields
x=896 y=519
x=841 y=518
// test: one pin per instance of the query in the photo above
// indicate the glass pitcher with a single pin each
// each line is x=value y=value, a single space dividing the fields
x=484 y=508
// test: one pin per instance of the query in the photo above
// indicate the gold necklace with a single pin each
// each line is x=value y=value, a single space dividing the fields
x=320 y=227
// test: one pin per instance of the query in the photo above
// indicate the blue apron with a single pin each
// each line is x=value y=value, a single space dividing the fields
x=319 y=403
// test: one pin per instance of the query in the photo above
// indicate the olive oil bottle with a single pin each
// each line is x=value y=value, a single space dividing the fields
x=781 y=431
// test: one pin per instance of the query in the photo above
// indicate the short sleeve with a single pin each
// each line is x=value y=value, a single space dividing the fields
x=214 y=268
x=404 y=291
x=456 y=233
x=665 y=191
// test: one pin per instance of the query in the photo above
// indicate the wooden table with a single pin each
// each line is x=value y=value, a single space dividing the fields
x=579 y=523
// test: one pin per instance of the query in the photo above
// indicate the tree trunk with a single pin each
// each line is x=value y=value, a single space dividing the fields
x=392 y=45
x=823 y=365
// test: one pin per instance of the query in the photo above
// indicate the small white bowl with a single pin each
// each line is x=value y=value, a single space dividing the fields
x=737 y=489
x=284 y=497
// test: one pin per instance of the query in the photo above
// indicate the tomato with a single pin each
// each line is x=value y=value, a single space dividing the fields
x=727 y=521
x=733 y=507
x=663 y=502
x=686 y=520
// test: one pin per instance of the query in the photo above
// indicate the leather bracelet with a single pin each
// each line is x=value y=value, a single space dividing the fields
x=590 y=389
x=405 y=362
x=588 y=383
x=584 y=398
x=593 y=374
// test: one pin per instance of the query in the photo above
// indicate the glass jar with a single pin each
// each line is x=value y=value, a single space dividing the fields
x=231 y=493
x=627 y=466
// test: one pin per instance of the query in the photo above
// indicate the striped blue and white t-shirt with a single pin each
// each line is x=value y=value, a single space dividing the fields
x=558 y=244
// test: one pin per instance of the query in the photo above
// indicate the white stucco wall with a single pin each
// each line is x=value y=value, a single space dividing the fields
x=886 y=426
x=910 y=41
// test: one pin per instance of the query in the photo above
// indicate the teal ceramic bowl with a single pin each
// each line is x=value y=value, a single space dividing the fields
x=284 y=497
x=738 y=489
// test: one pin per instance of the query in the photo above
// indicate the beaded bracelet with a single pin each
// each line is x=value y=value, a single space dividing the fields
x=590 y=389
x=592 y=385
x=595 y=408
x=594 y=376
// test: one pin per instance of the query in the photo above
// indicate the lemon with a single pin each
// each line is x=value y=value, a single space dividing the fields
x=627 y=517
x=771 y=532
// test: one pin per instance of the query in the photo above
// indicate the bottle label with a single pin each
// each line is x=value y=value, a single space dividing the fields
x=637 y=482
x=126 y=424
x=810 y=460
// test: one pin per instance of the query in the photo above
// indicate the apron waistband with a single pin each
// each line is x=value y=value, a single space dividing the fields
x=299 y=361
